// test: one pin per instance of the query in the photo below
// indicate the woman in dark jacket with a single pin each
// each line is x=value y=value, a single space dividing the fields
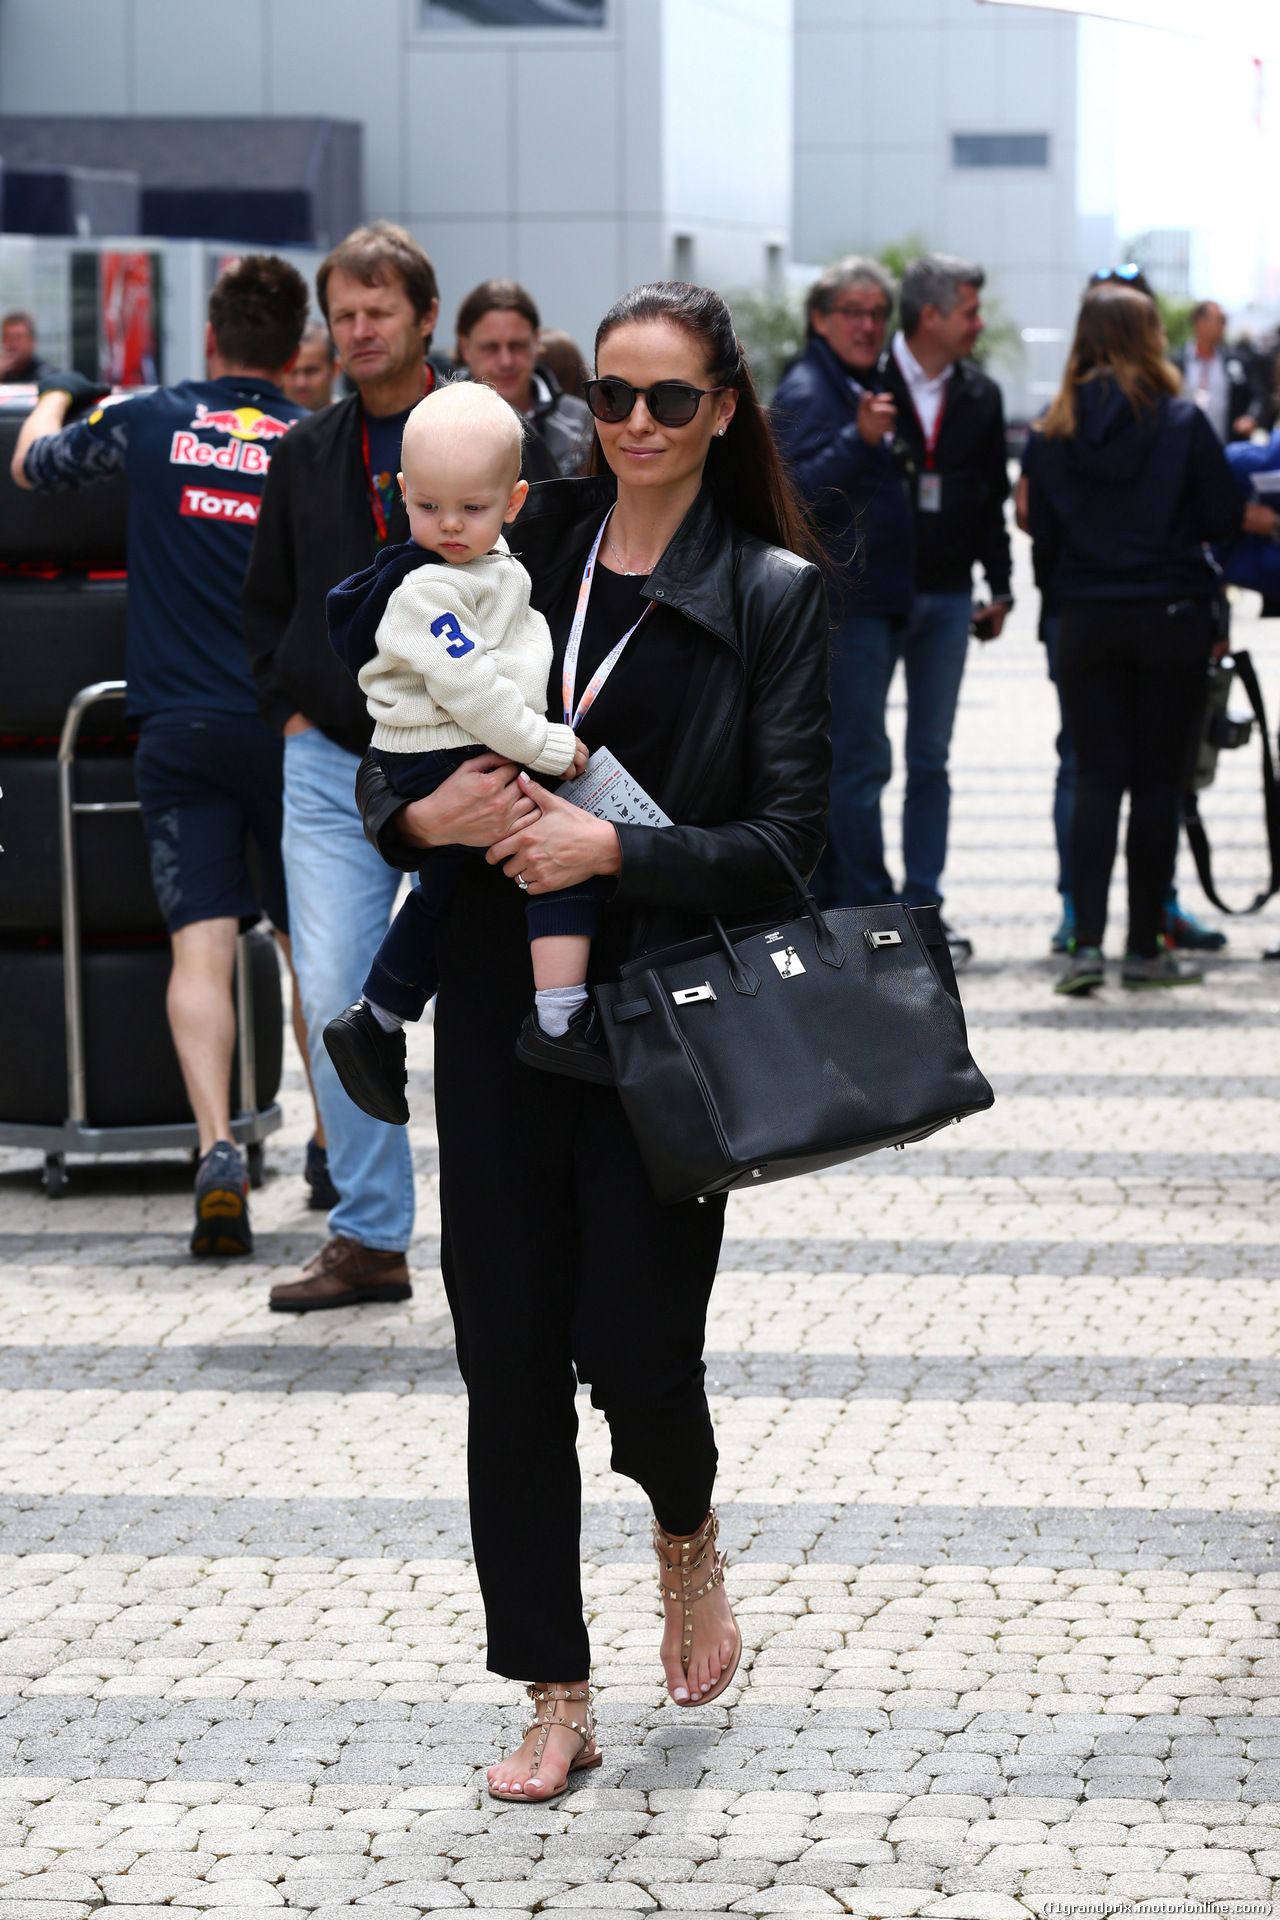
x=557 y=1259
x=1125 y=484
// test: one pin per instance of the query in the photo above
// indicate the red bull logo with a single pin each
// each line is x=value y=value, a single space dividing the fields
x=242 y=423
x=247 y=427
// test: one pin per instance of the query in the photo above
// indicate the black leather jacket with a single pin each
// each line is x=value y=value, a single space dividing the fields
x=755 y=744
x=314 y=529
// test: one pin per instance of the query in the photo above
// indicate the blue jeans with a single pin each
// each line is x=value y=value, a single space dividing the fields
x=340 y=900
x=865 y=649
x=1064 y=786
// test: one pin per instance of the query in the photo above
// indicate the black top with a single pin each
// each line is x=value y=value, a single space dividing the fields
x=386 y=431
x=1120 y=509
x=637 y=711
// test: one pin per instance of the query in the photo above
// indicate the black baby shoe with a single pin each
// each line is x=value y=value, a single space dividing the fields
x=580 y=1052
x=322 y=1195
x=370 y=1063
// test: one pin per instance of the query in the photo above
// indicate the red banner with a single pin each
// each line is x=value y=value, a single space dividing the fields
x=129 y=357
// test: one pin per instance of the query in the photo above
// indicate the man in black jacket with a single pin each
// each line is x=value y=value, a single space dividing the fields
x=1218 y=381
x=498 y=326
x=329 y=504
x=951 y=450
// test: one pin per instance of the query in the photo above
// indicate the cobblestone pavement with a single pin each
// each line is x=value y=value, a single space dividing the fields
x=999 y=1422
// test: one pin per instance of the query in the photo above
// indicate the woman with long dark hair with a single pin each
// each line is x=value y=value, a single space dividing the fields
x=559 y=1263
x=1125 y=484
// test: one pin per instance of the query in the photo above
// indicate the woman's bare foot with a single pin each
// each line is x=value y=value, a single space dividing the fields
x=714 y=1642
x=523 y=1775
x=700 y=1638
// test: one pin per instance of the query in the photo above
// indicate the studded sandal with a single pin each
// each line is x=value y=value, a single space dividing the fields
x=589 y=1755
x=680 y=1562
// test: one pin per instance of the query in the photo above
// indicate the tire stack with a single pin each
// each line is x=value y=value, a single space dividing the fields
x=62 y=626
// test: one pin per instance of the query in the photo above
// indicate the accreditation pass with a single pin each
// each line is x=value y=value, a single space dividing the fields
x=606 y=789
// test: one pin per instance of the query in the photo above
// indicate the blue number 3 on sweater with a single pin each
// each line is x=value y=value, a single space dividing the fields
x=447 y=628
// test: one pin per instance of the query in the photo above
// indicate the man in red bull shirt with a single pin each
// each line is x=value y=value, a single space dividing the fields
x=209 y=770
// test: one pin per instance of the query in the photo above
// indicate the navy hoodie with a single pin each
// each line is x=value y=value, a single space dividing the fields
x=354 y=608
x=1121 y=509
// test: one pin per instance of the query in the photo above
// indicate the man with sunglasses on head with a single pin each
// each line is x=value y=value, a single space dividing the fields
x=835 y=426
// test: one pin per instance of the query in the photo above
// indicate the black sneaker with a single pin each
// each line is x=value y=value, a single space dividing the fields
x=321 y=1192
x=222 y=1203
x=370 y=1063
x=579 y=1052
x=1085 y=971
x=1163 y=969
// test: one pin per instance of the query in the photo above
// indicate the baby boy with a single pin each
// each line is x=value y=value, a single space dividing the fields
x=460 y=668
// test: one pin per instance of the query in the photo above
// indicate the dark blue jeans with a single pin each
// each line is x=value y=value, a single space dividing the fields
x=404 y=974
x=865 y=649
x=1064 y=786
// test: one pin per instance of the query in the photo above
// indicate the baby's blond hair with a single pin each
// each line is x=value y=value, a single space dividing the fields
x=465 y=410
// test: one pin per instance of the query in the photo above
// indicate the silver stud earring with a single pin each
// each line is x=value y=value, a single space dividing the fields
x=720 y=432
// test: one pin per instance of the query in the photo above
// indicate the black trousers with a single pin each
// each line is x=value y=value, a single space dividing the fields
x=1132 y=678
x=557 y=1261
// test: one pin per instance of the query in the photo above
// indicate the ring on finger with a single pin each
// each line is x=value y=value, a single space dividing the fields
x=522 y=883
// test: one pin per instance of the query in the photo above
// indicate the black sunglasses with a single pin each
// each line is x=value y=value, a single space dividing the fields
x=672 y=403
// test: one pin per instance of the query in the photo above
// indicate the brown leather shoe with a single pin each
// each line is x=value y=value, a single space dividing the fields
x=344 y=1274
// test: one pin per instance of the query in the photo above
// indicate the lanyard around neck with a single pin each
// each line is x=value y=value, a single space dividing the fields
x=930 y=439
x=375 y=498
x=574 y=714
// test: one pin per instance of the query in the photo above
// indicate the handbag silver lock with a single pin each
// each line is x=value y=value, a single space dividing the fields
x=885 y=937
x=689 y=996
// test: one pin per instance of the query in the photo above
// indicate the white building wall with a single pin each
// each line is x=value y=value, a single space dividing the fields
x=728 y=135
x=881 y=87
x=567 y=159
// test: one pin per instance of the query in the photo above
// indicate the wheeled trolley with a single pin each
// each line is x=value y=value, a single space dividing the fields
x=250 y=1126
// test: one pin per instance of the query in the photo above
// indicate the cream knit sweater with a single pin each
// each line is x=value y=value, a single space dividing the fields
x=462 y=661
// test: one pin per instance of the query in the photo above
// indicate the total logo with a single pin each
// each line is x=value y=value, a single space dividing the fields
x=208 y=503
x=247 y=427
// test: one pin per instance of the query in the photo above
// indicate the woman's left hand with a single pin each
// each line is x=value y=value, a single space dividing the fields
x=560 y=846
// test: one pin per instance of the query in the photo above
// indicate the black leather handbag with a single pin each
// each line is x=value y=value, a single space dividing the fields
x=786 y=1047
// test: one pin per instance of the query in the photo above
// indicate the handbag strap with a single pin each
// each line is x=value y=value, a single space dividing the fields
x=830 y=952
x=1198 y=839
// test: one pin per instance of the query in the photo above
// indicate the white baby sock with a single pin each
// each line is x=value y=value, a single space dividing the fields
x=556 y=1007
x=387 y=1021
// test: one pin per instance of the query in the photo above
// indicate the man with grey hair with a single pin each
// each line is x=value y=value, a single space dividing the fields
x=951 y=451
x=835 y=427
